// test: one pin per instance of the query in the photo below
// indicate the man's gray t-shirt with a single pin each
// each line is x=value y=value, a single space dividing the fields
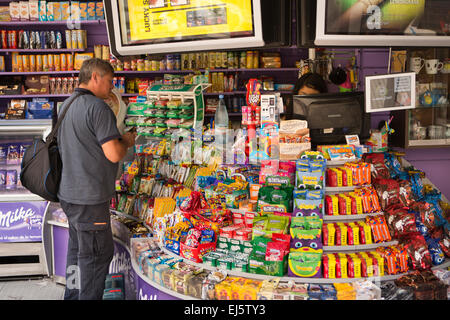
x=88 y=177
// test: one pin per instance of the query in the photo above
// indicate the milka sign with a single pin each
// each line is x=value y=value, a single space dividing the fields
x=21 y=221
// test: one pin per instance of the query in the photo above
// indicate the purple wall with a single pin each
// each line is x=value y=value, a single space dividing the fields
x=435 y=163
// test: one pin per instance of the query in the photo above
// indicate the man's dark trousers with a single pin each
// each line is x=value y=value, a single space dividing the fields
x=90 y=250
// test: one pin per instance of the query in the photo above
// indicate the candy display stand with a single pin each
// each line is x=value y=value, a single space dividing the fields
x=183 y=92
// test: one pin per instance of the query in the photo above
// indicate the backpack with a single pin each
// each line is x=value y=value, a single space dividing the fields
x=41 y=164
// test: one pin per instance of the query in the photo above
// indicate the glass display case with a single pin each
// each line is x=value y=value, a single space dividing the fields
x=428 y=124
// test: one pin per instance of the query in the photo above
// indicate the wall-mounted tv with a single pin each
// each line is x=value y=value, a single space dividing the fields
x=163 y=26
x=397 y=23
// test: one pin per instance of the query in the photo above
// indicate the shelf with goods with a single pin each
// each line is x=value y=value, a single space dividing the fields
x=299 y=280
x=349 y=217
x=30 y=73
x=361 y=247
x=67 y=23
x=29 y=96
x=41 y=50
x=234 y=273
x=259 y=70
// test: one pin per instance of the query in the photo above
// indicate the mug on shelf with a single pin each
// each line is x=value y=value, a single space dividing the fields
x=447 y=131
x=436 y=132
x=432 y=66
x=416 y=64
x=420 y=133
x=446 y=67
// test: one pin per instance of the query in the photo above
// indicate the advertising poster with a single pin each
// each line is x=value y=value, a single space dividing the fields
x=156 y=21
x=390 y=92
x=22 y=221
x=388 y=17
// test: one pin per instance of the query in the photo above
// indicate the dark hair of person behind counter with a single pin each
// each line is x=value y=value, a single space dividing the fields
x=310 y=80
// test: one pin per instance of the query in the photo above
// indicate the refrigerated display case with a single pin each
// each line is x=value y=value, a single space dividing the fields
x=21 y=212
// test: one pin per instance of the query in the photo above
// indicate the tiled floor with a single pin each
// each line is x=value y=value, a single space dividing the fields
x=31 y=289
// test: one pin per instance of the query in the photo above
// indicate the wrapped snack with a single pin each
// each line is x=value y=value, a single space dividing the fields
x=437 y=255
x=417 y=248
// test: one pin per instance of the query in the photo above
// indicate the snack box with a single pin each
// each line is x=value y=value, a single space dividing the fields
x=80 y=57
x=50 y=13
x=83 y=11
x=258 y=265
x=42 y=11
x=196 y=254
x=24 y=11
x=305 y=265
x=91 y=10
x=33 y=7
x=65 y=10
x=57 y=11
x=75 y=10
x=99 y=11
x=14 y=10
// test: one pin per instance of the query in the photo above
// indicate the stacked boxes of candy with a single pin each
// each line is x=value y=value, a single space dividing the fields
x=395 y=259
x=310 y=171
x=270 y=242
x=229 y=193
x=353 y=265
x=360 y=201
x=346 y=234
x=275 y=196
x=160 y=118
x=309 y=184
x=235 y=288
x=345 y=291
x=173 y=236
x=351 y=174
x=305 y=253
x=233 y=245
x=206 y=223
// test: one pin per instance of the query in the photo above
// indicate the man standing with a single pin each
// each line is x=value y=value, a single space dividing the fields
x=91 y=147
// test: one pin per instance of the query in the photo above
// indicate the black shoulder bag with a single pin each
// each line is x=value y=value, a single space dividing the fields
x=41 y=164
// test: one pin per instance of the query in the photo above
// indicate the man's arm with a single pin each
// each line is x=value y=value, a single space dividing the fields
x=116 y=149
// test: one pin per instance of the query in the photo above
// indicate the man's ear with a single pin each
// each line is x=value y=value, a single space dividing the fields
x=95 y=76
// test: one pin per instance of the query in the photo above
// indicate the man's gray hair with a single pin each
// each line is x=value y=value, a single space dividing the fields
x=89 y=66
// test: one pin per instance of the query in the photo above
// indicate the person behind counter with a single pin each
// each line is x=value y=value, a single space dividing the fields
x=309 y=83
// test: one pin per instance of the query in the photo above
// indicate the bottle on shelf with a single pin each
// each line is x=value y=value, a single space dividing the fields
x=221 y=115
x=220 y=127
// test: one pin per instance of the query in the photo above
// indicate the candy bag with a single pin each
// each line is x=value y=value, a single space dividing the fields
x=417 y=248
x=437 y=255
x=388 y=192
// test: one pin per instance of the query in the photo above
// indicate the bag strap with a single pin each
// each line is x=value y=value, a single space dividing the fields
x=54 y=131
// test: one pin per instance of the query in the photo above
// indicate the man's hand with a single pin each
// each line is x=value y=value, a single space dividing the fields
x=129 y=138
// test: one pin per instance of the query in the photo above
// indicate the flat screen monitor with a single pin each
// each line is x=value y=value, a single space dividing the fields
x=332 y=116
x=397 y=23
x=163 y=26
